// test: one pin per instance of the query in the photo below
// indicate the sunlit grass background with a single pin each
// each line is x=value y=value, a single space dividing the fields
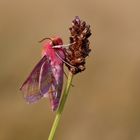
x=104 y=104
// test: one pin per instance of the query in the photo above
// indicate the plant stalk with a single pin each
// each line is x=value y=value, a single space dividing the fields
x=61 y=107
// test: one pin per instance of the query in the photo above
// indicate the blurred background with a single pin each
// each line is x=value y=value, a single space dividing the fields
x=104 y=104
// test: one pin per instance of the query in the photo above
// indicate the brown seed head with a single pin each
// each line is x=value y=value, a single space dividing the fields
x=79 y=50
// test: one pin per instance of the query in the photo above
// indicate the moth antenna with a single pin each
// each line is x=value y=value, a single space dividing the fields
x=45 y=39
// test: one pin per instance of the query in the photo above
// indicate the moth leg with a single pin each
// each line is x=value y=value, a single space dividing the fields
x=65 y=63
x=57 y=46
x=63 y=60
x=63 y=46
x=67 y=45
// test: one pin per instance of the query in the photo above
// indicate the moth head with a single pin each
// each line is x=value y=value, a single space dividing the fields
x=56 y=41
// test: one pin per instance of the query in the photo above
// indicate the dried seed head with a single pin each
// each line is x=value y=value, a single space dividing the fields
x=76 y=54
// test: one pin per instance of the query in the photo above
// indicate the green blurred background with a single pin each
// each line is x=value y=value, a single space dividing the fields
x=104 y=104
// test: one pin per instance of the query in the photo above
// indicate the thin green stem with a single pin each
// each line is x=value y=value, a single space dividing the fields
x=61 y=107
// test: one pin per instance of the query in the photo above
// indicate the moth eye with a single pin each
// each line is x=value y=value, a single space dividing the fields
x=54 y=43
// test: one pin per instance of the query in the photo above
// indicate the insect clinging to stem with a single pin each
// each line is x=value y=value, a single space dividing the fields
x=46 y=79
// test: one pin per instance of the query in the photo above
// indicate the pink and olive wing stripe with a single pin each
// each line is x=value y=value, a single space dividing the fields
x=38 y=82
x=46 y=78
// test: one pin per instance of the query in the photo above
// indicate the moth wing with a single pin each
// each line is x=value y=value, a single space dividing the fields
x=56 y=87
x=38 y=82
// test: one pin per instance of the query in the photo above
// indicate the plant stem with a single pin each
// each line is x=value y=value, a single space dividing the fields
x=61 y=107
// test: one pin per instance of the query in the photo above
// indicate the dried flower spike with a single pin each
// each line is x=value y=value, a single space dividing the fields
x=79 y=50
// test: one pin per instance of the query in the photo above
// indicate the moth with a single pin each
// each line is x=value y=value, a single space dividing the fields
x=46 y=79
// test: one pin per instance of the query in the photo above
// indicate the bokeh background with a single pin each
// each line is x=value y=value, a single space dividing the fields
x=104 y=104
